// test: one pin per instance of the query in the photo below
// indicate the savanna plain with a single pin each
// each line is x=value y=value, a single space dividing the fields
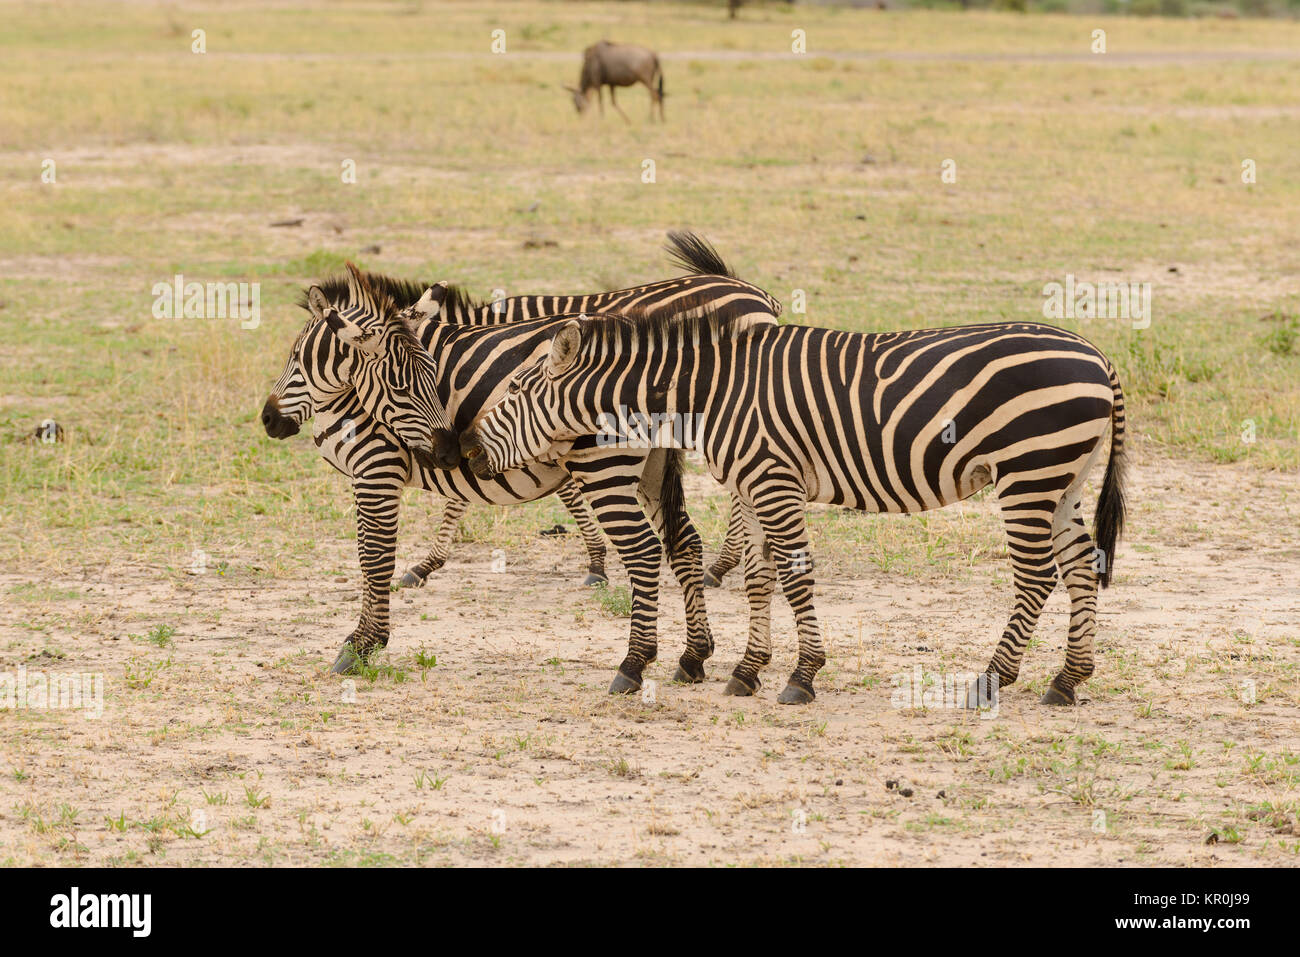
x=909 y=169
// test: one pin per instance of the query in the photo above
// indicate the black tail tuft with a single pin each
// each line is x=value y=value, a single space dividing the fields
x=696 y=255
x=672 y=499
x=1110 y=508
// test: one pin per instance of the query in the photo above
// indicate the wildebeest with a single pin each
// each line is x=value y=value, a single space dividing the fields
x=618 y=64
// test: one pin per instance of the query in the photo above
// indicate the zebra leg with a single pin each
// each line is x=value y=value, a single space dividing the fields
x=414 y=577
x=1029 y=538
x=686 y=558
x=733 y=546
x=794 y=568
x=569 y=494
x=1076 y=557
x=760 y=580
x=780 y=509
x=377 y=551
x=620 y=515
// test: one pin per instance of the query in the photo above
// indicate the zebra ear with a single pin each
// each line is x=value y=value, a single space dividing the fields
x=430 y=303
x=350 y=334
x=318 y=305
x=564 y=349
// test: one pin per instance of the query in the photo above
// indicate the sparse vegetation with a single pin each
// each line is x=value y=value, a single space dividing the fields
x=224 y=741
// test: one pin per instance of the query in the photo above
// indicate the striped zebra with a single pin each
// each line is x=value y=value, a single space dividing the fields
x=894 y=422
x=377 y=450
x=708 y=280
x=290 y=404
x=349 y=350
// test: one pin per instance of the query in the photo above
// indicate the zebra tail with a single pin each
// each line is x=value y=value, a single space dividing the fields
x=672 y=500
x=696 y=254
x=1110 y=505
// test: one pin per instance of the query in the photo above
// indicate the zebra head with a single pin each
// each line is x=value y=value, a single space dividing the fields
x=543 y=407
x=290 y=403
x=394 y=376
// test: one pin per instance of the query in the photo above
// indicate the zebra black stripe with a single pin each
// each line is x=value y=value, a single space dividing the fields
x=898 y=422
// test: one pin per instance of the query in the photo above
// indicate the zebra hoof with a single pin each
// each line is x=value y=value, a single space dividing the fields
x=348 y=662
x=690 y=671
x=795 y=694
x=622 y=684
x=740 y=688
x=711 y=580
x=411 y=580
x=594 y=578
x=1054 y=696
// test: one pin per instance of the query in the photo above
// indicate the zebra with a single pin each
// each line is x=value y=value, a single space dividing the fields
x=890 y=422
x=382 y=458
x=708 y=279
x=289 y=405
x=387 y=364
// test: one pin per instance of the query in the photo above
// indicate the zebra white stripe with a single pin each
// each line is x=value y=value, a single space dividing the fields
x=709 y=280
x=473 y=362
x=899 y=422
x=381 y=465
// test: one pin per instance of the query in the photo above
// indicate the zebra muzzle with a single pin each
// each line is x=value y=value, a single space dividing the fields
x=474 y=454
x=277 y=425
x=423 y=454
x=446 y=449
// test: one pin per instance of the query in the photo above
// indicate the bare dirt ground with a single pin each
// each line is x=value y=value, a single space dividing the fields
x=227 y=743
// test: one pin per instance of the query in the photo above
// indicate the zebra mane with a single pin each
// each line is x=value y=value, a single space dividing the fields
x=392 y=293
x=696 y=255
x=696 y=314
x=383 y=295
x=460 y=303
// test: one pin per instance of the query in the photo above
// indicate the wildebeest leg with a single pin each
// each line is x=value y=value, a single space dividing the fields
x=614 y=103
x=654 y=97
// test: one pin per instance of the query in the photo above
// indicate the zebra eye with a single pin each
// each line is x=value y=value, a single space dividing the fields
x=514 y=388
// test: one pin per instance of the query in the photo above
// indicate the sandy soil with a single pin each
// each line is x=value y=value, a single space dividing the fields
x=509 y=750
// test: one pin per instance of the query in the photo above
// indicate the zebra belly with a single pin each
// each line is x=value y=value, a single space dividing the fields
x=509 y=488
